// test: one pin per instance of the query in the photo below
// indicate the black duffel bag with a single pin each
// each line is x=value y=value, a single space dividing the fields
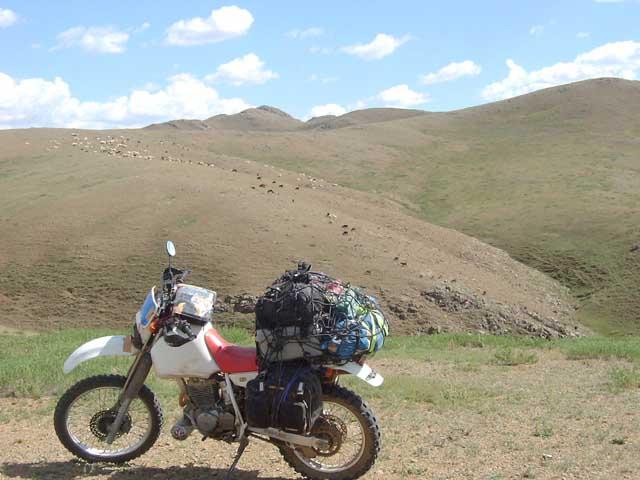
x=287 y=396
x=289 y=304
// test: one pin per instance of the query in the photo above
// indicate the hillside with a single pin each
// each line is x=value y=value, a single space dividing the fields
x=552 y=177
x=266 y=118
x=361 y=117
x=181 y=124
x=263 y=118
x=85 y=216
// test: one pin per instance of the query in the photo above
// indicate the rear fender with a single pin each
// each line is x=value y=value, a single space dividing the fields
x=364 y=372
x=99 y=347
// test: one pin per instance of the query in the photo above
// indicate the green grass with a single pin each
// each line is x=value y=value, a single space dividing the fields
x=624 y=378
x=510 y=357
x=627 y=348
x=414 y=389
x=418 y=346
x=543 y=429
x=457 y=346
x=31 y=365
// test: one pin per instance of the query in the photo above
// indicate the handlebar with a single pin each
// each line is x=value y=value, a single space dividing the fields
x=175 y=331
x=171 y=276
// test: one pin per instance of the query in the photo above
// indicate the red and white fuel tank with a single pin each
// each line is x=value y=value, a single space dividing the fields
x=202 y=357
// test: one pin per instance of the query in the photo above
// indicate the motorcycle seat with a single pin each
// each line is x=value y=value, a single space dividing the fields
x=230 y=358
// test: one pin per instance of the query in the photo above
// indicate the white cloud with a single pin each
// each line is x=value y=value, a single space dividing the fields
x=243 y=70
x=38 y=102
x=357 y=105
x=402 y=96
x=583 y=34
x=144 y=26
x=150 y=86
x=452 y=71
x=617 y=59
x=381 y=46
x=324 y=79
x=320 y=50
x=7 y=17
x=536 y=30
x=327 y=109
x=223 y=24
x=306 y=33
x=93 y=39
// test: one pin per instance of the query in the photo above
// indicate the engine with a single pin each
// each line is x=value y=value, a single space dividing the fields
x=206 y=410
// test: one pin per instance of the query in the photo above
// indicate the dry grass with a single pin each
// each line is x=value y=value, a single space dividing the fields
x=556 y=418
x=551 y=177
x=83 y=234
x=624 y=378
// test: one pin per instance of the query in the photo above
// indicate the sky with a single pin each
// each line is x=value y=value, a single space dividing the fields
x=105 y=64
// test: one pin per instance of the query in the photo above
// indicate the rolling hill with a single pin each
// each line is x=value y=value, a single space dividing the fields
x=262 y=118
x=85 y=215
x=266 y=118
x=551 y=177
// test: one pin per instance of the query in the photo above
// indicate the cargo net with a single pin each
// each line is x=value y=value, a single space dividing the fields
x=311 y=315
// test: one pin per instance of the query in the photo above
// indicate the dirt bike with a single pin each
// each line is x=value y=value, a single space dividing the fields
x=114 y=418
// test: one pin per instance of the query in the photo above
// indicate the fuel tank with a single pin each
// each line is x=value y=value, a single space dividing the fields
x=189 y=360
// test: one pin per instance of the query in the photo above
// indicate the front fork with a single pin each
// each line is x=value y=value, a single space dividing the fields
x=135 y=380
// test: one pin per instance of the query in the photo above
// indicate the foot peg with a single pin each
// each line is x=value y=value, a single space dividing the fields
x=182 y=429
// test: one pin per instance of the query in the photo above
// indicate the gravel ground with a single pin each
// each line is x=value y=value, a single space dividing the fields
x=555 y=419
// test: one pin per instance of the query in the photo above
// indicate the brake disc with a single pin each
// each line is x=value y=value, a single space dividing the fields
x=101 y=421
x=333 y=430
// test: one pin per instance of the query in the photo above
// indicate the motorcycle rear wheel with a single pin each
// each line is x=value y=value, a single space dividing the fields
x=316 y=465
x=85 y=412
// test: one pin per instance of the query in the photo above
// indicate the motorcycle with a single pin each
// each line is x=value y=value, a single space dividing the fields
x=115 y=418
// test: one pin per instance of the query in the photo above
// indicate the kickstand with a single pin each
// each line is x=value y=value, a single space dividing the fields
x=244 y=441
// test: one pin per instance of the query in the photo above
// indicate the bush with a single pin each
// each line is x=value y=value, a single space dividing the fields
x=621 y=378
x=601 y=348
x=511 y=357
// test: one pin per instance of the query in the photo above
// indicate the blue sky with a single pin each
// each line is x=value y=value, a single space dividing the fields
x=107 y=63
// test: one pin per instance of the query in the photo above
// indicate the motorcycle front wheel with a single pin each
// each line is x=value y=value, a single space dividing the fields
x=353 y=434
x=85 y=412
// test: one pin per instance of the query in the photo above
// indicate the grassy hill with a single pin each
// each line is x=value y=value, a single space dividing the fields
x=85 y=215
x=552 y=177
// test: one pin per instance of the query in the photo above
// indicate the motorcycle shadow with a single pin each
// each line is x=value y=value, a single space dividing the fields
x=76 y=470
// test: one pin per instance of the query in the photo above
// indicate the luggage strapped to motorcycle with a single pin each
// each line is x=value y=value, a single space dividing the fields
x=313 y=316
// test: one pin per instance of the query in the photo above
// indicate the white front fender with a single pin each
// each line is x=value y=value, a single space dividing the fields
x=363 y=372
x=99 y=347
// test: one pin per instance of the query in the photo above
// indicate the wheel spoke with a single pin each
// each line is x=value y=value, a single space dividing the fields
x=339 y=425
x=90 y=415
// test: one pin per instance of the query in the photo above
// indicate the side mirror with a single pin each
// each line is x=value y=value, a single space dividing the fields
x=171 y=249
